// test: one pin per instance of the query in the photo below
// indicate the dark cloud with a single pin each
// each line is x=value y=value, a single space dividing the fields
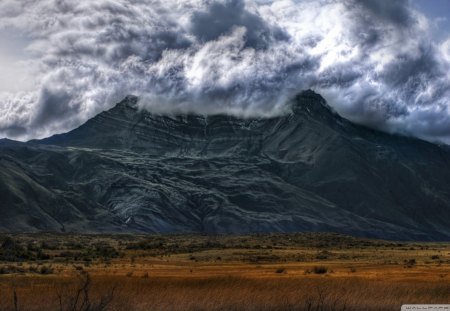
x=221 y=17
x=397 y=12
x=54 y=107
x=14 y=130
x=411 y=71
x=64 y=61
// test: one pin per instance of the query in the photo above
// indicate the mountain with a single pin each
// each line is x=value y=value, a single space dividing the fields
x=128 y=170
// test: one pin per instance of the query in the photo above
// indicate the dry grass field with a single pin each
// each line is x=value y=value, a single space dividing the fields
x=316 y=271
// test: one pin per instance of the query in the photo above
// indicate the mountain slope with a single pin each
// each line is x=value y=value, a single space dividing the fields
x=310 y=170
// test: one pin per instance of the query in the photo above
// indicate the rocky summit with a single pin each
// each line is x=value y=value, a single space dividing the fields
x=128 y=170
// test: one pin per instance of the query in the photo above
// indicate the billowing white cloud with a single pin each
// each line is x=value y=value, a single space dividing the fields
x=374 y=61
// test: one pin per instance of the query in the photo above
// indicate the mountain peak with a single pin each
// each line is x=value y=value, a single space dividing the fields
x=130 y=101
x=306 y=102
x=127 y=127
x=314 y=106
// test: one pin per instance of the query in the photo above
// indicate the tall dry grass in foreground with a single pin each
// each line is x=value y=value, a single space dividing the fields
x=313 y=271
x=219 y=293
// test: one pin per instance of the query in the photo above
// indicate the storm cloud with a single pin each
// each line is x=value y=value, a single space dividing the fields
x=375 y=62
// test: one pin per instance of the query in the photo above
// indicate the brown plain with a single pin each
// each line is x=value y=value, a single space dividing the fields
x=311 y=271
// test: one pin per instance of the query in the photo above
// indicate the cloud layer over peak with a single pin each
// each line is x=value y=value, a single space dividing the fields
x=374 y=61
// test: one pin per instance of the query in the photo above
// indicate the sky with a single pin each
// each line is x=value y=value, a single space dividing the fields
x=383 y=64
x=438 y=12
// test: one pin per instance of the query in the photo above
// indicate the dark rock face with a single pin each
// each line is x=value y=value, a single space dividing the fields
x=132 y=171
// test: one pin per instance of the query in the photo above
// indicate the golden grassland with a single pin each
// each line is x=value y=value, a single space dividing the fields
x=315 y=271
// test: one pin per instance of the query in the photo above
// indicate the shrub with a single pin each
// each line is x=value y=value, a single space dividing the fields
x=33 y=269
x=105 y=251
x=11 y=250
x=320 y=270
x=80 y=298
x=4 y=270
x=50 y=245
x=280 y=270
x=40 y=255
x=410 y=263
x=323 y=255
x=11 y=270
x=46 y=270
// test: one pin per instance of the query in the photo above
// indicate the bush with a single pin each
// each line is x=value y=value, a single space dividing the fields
x=46 y=270
x=11 y=250
x=50 y=245
x=320 y=270
x=280 y=270
x=323 y=255
x=105 y=251
x=410 y=263
x=11 y=270
x=4 y=270
x=80 y=298
x=40 y=255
